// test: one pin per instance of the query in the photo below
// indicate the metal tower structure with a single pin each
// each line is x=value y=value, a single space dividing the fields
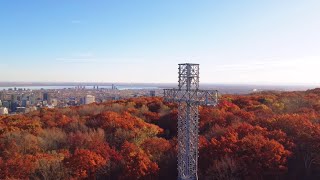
x=189 y=97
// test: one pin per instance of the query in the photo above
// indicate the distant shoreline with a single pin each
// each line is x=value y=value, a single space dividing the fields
x=222 y=88
x=20 y=84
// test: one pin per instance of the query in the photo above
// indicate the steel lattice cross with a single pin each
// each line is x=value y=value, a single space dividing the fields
x=189 y=97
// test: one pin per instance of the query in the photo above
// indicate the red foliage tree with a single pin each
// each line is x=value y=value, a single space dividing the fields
x=137 y=163
x=84 y=163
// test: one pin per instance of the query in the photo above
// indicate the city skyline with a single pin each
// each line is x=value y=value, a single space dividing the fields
x=234 y=42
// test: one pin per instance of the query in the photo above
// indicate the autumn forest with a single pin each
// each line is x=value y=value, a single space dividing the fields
x=260 y=136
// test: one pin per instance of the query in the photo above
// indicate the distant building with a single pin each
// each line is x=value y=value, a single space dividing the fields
x=32 y=99
x=81 y=100
x=20 y=109
x=50 y=106
x=6 y=104
x=115 y=98
x=6 y=97
x=54 y=102
x=44 y=103
x=46 y=96
x=72 y=102
x=25 y=102
x=113 y=87
x=14 y=97
x=88 y=99
x=14 y=106
x=4 y=111
x=30 y=109
x=152 y=93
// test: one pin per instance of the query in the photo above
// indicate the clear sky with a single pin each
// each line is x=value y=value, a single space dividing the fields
x=234 y=41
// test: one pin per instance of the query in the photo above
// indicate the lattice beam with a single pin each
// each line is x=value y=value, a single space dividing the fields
x=199 y=97
x=189 y=98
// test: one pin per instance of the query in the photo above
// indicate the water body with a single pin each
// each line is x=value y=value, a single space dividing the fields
x=222 y=88
x=72 y=87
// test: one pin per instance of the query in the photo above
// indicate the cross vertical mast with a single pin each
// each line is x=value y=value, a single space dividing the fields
x=189 y=97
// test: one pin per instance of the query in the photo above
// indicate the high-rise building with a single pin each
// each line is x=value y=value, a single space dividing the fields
x=14 y=106
x=46 y=96
x=88 y=99
x=81 y=100
x=6 y=104
x=25 y=102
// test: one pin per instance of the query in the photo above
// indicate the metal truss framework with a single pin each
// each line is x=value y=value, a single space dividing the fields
x=189 y=97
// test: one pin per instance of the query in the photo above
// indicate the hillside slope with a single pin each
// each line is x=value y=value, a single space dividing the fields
x=258 y=136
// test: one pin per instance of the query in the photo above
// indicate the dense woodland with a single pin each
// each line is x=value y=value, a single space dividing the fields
x=268 y=135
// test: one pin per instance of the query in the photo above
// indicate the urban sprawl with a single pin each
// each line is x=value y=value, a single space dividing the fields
x=22 y=100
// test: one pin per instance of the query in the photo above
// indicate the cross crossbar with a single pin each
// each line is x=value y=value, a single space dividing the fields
x=197 y=97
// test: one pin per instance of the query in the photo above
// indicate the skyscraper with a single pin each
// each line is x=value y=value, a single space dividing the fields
x=46 y=96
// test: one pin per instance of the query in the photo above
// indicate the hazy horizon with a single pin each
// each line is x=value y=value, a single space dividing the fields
x=62 y=83
x=235 y=42
x=136 y=82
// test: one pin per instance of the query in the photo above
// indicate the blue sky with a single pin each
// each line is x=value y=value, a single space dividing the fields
x=247 y=41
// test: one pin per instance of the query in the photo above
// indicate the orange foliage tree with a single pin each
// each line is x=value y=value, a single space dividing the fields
x=84 y=163
x=137 y=163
